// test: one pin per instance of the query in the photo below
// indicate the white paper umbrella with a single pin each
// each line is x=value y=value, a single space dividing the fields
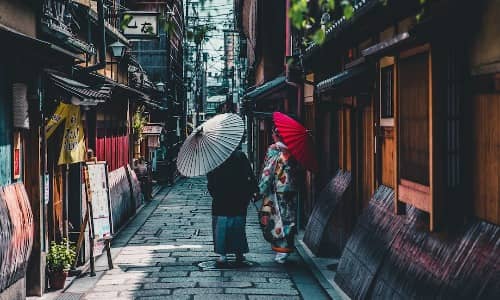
x=210 y=145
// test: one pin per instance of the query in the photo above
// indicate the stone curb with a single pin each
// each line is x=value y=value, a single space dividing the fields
x=330 y=287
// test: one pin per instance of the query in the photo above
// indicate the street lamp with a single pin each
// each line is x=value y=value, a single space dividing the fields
x=160 y=86
x=118 y=49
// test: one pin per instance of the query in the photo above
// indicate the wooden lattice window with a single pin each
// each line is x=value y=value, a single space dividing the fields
x=387 y=91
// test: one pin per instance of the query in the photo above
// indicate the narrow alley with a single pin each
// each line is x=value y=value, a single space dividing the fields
x=160 y=260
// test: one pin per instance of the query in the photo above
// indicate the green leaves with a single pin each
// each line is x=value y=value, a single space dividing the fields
x=301 y=19
x=319 y=36
x=298 y=12
x=60 y=256
x=139 y=120
x=347 y=8
x=199 y=33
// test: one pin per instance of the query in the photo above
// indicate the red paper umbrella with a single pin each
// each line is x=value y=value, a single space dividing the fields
x=298 y=140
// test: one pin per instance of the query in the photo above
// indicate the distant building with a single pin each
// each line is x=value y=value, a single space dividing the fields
x=213 y=104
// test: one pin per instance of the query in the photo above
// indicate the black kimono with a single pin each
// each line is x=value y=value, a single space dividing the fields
x=231 y=186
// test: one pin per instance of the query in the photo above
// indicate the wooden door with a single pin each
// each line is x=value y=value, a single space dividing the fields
x=386 y=157
x=345 y=138
x=385 y=133
x=365 y=156
x=486 y=157
x=414 y=131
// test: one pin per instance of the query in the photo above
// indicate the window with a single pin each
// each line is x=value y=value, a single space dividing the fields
x=387 y=91
x=413 y=124
x=414 y=127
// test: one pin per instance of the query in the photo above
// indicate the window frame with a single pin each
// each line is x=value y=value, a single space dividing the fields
x=385 y=62
x=416 y=194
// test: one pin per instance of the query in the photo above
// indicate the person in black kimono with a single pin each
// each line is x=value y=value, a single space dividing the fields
x=231 y=186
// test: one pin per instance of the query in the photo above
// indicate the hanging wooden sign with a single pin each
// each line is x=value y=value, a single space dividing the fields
x=16 y=159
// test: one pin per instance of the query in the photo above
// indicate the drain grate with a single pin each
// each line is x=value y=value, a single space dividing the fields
x=230 y=265
x=70 y=296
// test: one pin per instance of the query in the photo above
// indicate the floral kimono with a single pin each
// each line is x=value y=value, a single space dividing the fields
x=279 y=191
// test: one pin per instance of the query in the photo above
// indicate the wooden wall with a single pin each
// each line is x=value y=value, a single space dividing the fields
x=387 y=156
x=366 y=156
x=5 y=130
x=486 y=157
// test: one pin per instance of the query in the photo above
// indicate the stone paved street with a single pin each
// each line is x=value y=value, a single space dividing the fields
x=160 y=261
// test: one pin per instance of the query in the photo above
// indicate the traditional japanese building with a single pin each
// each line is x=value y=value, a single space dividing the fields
x=59 y=54
x=402 y=100
x=272 y=82
x=161 y=57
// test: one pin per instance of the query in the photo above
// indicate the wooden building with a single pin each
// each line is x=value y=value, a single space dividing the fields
x=161 y=57
x=402 y=99
x=273 y=83
x=58 y=52
x=22 y=63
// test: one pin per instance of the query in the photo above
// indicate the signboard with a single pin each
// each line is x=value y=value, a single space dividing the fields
x=152 y=129
x=141 y=24
x=154 y=141
x=17 y=156
x=46 y=188
x=99 y=194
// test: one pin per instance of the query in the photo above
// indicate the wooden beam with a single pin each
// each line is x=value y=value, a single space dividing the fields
x=432 y=154
x=35 y=277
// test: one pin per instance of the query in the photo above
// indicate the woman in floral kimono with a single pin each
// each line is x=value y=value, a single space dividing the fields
x=279 y=191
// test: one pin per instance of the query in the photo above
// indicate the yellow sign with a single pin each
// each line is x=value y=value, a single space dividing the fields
x=56 y=119
x=73 y=144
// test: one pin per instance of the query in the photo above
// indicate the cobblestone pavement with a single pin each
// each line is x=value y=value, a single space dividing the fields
x=161 y=259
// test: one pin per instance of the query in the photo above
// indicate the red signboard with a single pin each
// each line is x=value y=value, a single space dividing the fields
x=16 y=172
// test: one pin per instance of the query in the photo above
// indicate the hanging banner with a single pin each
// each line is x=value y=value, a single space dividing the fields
x=73 y=144
x=56 y=119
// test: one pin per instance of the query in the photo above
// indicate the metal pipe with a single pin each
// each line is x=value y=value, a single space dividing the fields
x=299 y=96
x=66 y=205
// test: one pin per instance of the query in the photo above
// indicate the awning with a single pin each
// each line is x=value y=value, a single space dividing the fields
x=122 y=88
x=386 y=47
x=88 y=96
x=345 y=79
x=33 y=46
x=267 y=88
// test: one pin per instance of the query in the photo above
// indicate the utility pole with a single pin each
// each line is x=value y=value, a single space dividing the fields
x=198 y=83
x=186 y=61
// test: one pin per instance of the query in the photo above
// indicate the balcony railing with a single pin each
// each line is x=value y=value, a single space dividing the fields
x=57 y=22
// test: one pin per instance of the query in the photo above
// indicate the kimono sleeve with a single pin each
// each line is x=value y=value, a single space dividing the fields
x=267 y=176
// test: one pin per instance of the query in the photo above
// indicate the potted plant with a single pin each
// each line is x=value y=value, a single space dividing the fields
x=59 y=260
x=139 y=120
